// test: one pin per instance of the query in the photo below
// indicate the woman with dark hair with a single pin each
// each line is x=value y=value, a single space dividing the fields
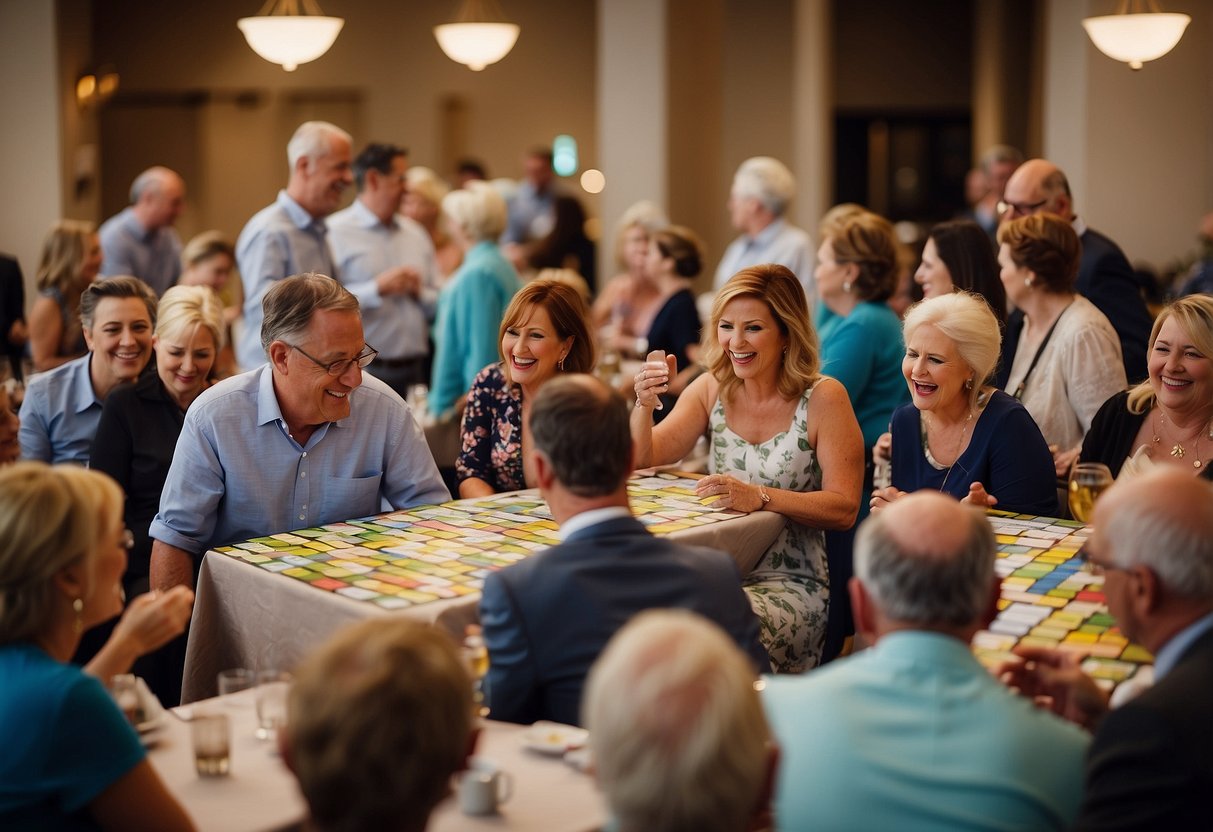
x=958 y=256
x=783 y=439
x=860 y=336
x=544 y=331
x=1067 y=361
x=566 y=246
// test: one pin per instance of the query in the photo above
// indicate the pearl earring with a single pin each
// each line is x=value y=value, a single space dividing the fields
x=78 y=606
x=846 y=286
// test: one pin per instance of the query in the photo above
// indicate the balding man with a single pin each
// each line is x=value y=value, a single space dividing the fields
x=914 y=733
x=1104 y=275
x=1151 y=764
x=290 y=237
x=140 y=240
x=762 y=189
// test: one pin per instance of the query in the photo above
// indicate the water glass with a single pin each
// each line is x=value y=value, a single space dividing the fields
x=212 y=744
x=236 y=679
x=272 y=689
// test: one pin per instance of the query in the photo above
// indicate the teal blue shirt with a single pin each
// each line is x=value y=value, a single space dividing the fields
x=863 y=350
x=470 y=309
x=915 y=734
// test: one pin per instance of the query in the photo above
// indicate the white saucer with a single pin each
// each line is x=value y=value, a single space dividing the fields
x=554 y=738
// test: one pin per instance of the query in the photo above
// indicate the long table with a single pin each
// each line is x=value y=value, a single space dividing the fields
x=261 y=794
x=268 y=601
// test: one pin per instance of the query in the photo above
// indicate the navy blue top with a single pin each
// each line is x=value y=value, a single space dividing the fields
x=676 y=326
x=1007 y=454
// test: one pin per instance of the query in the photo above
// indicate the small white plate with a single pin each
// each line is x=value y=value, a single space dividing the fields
x=554 y=738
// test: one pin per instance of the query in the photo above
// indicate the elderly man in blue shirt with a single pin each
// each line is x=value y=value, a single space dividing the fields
x=304 y=440
x=290 y=237
x=387 y=261
x=140 y=240
x=761 y=191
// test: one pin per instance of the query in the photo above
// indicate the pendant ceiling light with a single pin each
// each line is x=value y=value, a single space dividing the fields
x=290 y=32
x=479 y=35
x=1137 y=33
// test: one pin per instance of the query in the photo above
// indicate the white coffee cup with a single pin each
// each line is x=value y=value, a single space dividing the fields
x=483 y=787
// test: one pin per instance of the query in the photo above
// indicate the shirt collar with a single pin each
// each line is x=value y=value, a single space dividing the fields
x=268 y=408
x=593 y=517
x=131 y=221
x=766 y=235
x=298 y=214
x=1171 y=652
x=83 y=396
x=366 y=218
x=1078 y=225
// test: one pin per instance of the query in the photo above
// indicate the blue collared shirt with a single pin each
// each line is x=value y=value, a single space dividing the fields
x=363 y=248
x=60 y=414
x=779 y=243
x=237 y=473
x=280 y=240
x=1170 y=653
x=128 y=248
x=531 y=214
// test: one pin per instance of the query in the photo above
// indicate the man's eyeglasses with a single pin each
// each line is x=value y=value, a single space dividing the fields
x=1020 y=209
x=1092 y=566
x=338 y=367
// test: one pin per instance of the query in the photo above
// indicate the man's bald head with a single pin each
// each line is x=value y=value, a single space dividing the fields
x=1038 y=186
x=928 y=561
x=1163 y=521
x=158 y=196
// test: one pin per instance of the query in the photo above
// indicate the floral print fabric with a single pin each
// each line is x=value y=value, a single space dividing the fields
x=492 y=432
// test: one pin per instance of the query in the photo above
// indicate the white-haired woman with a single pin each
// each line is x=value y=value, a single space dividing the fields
x=71 y=760
x=472 y=303
x=959 y=435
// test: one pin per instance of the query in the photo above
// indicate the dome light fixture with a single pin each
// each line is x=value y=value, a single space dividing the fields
x=290 y=32
x=480 y=35
x=1137 y=32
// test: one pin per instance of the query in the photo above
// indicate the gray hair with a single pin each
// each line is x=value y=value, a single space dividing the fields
x=123 y=286
x=677 y=731
x=150 y=181
x=1166 y=536
x=1001 y=153
x=312 y=140
x=966 y=319
x=581 y=426
x=289 y=305
x=766 y=179
x=478 y=209
x=926 y=588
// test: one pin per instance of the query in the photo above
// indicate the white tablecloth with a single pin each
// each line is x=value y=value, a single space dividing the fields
x=261 y=794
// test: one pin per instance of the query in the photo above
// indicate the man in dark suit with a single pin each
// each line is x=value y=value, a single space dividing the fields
x=547 y=618
x=1151 y=763
x=1104 y=275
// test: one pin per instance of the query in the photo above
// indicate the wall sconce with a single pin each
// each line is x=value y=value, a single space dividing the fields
x=96 y=86
x=479 y=35
x=290 y=32
x=1137 y=33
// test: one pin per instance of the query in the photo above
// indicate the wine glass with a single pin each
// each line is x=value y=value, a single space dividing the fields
x=1087 y=481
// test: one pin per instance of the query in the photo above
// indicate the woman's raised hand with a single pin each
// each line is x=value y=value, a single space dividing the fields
x=654 y=379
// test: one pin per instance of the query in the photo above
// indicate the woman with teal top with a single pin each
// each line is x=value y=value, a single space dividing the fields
x=784 y=439
x=860 y=336
x=473 y=301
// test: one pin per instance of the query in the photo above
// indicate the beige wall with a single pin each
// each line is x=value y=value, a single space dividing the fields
x=1137 y=146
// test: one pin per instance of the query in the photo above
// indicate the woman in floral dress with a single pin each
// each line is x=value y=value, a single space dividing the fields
x=544 y=332
x=784 y=438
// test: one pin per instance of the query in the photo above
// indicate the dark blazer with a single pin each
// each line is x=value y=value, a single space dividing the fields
x=1106 y=279
x=548 y=617
x=1151 y=764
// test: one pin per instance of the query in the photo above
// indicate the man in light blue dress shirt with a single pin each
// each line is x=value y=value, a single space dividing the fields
x=289 y=237
x=140 y=240
x=914 y=733
x=761 y=191
x=387 y=261
x=304 y=440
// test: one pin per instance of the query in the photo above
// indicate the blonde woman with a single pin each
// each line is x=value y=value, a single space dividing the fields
x=783 y=437
x=71 y=258
x=71 y=760
x=423 y=205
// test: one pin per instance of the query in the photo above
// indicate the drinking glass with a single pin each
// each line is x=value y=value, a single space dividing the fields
x=235 y=679
x=272 y=689
x=1087 y=481
x=212 y=744
x=476 y=657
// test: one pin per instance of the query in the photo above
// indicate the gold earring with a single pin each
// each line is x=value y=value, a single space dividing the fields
x=78 y=606
x=560 y=364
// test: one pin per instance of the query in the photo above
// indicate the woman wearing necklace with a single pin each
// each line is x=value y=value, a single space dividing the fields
x=1168 y=418
x=1067 y=362
x=960 y=435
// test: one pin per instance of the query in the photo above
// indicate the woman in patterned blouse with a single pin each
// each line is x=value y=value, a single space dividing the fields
x=544 y=332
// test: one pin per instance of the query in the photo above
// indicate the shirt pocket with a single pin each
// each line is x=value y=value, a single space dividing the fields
x=346 y=498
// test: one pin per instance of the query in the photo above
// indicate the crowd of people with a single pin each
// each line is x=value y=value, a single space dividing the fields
x=205 y=420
